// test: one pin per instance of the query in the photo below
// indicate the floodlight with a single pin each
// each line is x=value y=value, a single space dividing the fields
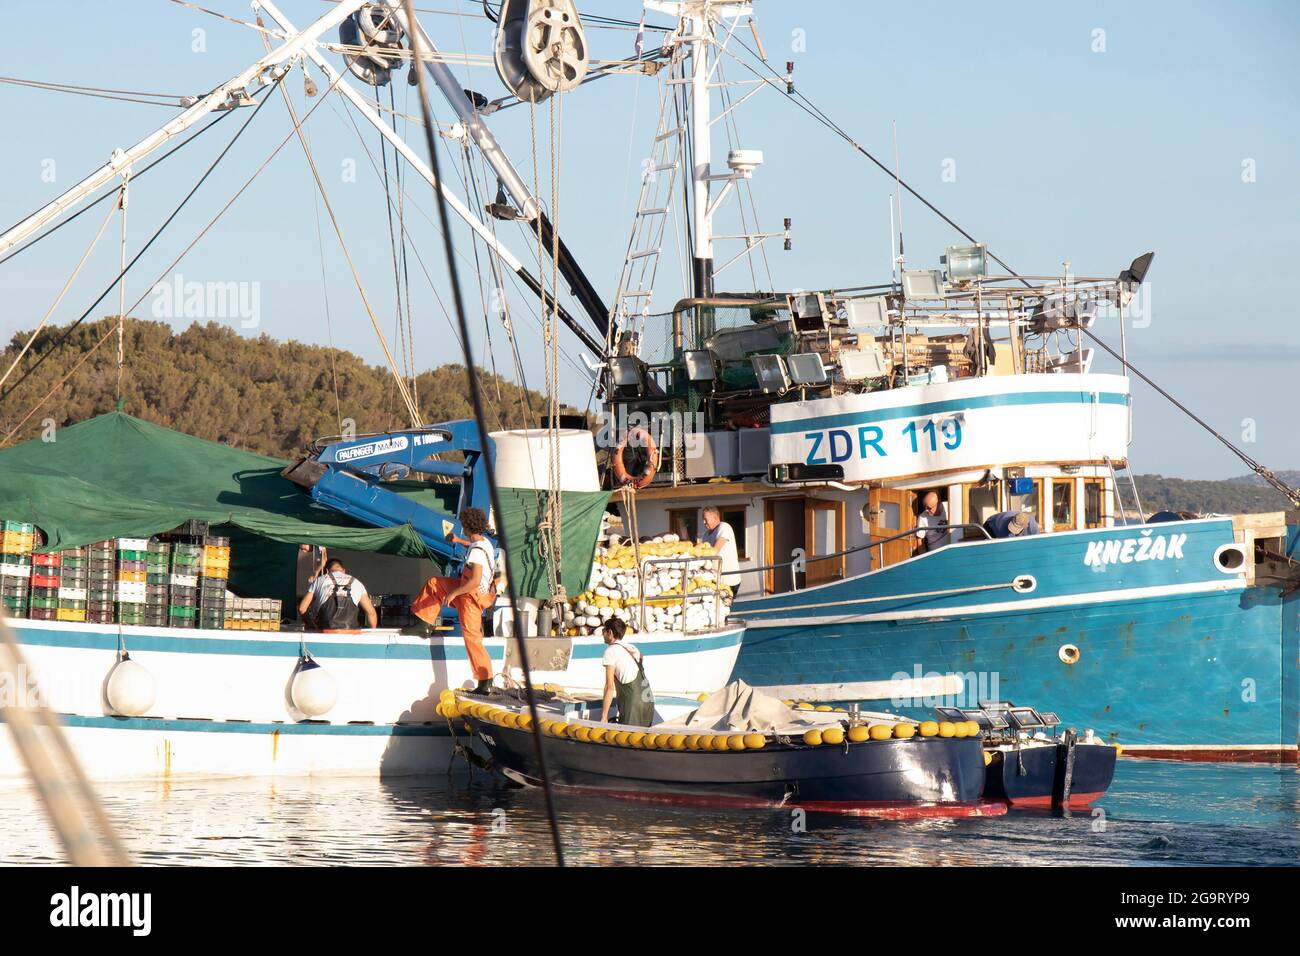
x=859 y=364
x=965 y=262
x=923 y=284
x=771 y=374
x=868 y=312
x=807 y=368
x=701 y=365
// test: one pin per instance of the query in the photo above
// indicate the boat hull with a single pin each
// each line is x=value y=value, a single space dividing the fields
x=1170 y=658
x=891 y=778
x=223 y=704
x=1026 y=776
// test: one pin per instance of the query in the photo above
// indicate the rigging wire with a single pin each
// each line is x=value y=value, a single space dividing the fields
x=479 y=417
x=62 y=292
x=145 y=248
x=126 y=96
x=403 y=392
x=113 y=192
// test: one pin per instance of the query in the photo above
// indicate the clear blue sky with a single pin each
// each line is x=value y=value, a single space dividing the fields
x=1060 y=152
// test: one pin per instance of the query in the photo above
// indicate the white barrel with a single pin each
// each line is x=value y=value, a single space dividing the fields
x=523 y=456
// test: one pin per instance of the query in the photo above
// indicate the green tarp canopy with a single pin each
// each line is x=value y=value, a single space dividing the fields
x=116 y=476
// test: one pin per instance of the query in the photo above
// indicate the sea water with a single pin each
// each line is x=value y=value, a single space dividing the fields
x=1157 y=813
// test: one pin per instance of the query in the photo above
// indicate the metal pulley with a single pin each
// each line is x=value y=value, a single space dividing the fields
x=540 y=48
x=376 y=30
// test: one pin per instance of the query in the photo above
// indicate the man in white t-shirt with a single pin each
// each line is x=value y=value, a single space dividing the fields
x=335 y=599
x=625 y=679
x=720 y=536
x=470 y=594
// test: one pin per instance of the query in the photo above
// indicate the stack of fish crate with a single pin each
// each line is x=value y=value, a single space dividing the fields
x=73 y=581
x=252 y=614
x=214 y=573
x=45 y=587
x=183 y=600
x=16 y=539
x=133 y=605
x=101 y=582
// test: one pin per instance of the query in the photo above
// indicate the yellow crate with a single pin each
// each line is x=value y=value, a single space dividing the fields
x=68 y=614
x=132 y=577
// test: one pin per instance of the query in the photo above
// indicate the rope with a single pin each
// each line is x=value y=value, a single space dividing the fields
x=62 y=292
x=163 y=99
x=402 y=390
x=121 y=290
x=476 y=398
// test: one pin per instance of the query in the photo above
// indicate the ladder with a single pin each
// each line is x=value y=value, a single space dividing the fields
x=650 y=224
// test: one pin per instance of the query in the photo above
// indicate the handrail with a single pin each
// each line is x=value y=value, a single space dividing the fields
x=873 y=544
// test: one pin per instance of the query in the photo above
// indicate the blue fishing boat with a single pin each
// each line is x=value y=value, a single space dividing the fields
x=925 y=482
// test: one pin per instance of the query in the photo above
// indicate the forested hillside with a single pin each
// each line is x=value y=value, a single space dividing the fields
x=253 y=393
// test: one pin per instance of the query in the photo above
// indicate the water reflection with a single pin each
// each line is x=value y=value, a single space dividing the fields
x=1157 y=813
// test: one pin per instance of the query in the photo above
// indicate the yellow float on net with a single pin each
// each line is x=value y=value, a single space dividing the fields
x=1119 y=751
x=947 y=729
x=754 y=741
x=583 y=734
x=677 y=742
x=525 y=722
x=833 y=735
x=928 y=728
x=959 y=728
x=736 y=742
x=803 y=705
x=618 y=738
x=706 y=741
x=824 y=708
x=972 y=728
x=813 y=738
x=597 y=735
x=881 y=732
x=904 y=731
x=693 y=742
x=859 y=733
x=636 y=739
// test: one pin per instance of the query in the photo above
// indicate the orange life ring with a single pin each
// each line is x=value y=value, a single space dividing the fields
x=624 y=476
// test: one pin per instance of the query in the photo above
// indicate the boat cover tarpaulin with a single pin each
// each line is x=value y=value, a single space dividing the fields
x=741 y=708
x=523 y=523
x=116 y=476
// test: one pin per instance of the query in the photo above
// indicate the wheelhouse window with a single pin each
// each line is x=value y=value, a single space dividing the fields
x=685 y=523
x=736 y=518
x=1062 y=504
x=1094 y=510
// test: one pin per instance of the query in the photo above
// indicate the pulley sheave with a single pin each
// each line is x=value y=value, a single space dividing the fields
x=541 y=48
x=374 y=29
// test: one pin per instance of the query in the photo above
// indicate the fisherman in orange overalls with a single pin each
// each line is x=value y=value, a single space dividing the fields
x=470 y=594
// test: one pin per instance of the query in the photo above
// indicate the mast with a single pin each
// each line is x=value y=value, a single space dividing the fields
x=698 y=30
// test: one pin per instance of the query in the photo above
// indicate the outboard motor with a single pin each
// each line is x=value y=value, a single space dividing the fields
x=541 y=48
x=375 y=29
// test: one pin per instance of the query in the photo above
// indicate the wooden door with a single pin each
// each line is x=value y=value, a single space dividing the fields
x=823 y=523
x=889 y=511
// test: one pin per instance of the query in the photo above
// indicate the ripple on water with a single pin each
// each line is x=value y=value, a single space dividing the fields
x=1157 y=813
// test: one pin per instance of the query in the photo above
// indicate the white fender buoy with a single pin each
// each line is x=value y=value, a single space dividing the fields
x=313 y=691
x=130 y=689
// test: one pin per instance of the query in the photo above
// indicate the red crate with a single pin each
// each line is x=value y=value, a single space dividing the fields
x=45 y=580
x=50 y=560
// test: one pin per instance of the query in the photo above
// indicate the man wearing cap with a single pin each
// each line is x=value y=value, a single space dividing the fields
x=1011 y=524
